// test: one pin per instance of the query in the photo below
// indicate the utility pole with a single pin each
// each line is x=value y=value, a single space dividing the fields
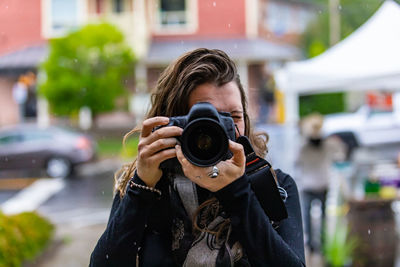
x=334 y=22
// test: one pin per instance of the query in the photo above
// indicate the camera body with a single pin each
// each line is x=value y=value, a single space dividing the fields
x=205 y=137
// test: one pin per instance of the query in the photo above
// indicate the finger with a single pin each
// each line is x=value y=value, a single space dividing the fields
x=182 y=159
x=159 y=145
x=238 y=153
x=162 y=156
x=165 y=132
x=179 y=155
x=149 y=124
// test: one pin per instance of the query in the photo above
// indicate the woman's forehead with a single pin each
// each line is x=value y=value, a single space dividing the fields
x=224 y=98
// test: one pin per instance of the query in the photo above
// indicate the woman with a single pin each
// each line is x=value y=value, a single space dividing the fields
x=192 y=218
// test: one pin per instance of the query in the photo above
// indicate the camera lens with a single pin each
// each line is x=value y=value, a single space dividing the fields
x=204 y=142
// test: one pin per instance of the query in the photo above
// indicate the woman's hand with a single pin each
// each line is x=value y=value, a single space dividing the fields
x=154 y=148
x=229 y=170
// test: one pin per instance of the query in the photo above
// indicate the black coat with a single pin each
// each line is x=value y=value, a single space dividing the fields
x=139 y=228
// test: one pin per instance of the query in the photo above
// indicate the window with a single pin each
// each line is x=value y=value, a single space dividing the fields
x=278 y=18
x=10 y=139
x=64 y=14
x=176 y=16
x=118 y=6
x=303 y=19
x=173 y=12
x=61 y=16
x=36 y=136
x=283 y=19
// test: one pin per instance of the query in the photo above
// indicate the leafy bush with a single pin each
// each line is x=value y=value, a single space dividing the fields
x=322 y=103
x=22 y=237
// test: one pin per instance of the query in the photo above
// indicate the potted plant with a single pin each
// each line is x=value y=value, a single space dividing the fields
x=338 y=246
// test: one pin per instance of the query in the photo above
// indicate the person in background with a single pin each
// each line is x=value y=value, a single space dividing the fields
x=313 y=164
x=191 y=215
x=24 y=95
x=31 y=101
x=20 y=95
x=266 y=98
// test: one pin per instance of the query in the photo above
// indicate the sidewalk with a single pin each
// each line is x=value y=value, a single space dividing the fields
x=71 y=247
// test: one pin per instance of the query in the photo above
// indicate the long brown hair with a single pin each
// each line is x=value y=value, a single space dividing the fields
x=171 y=96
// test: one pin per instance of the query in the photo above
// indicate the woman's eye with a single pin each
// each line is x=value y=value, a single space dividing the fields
x=237 y=118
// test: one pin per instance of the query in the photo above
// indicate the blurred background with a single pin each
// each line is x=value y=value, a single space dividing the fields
x=322 y=79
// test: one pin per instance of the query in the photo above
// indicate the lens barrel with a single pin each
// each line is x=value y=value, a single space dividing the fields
x=204 y=142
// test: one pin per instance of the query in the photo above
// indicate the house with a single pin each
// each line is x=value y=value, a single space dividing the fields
x=19 y=30
x=258 y=34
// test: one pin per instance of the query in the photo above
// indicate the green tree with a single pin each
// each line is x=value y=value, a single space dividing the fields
x=353 y=13
x=86 y=68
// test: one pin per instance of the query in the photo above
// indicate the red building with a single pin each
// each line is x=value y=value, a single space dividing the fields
x=20 y=28
x=238 y=27
x=159 y=31
x=20 y=25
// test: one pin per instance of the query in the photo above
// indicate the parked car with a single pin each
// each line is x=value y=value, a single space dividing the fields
x=54 y=149
x=365 y=128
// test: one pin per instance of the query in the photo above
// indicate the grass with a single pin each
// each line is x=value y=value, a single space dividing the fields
x=112 y=147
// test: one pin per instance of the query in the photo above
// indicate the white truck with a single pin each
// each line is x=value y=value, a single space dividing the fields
x=366 y=127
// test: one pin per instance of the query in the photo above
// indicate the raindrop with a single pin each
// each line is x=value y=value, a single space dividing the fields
x=229 y=25
x=6 y=7
x=340 y=7
x=319 y=11
x=214 y=4
x=369 y=231
x=107 y=256
x=102 y=192
x=75 y=60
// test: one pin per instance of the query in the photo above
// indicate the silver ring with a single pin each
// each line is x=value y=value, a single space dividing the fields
x=214 y=172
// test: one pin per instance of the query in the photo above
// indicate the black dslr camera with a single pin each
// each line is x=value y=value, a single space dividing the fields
x=205 y=136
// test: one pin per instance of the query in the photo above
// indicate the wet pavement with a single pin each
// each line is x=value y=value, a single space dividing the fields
x=71 y=247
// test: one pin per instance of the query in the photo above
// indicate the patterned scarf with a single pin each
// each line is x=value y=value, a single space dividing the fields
x=201 y=248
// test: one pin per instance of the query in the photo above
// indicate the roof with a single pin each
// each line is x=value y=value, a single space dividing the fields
x=25 y=58
x=163 y=52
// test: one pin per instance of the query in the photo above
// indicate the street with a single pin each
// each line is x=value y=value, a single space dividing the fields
x=83 y=200
x=79 y=209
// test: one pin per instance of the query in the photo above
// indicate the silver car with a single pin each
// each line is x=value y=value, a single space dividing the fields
x=56 y=150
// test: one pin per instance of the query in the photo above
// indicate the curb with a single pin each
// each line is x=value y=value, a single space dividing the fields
x=30 y=198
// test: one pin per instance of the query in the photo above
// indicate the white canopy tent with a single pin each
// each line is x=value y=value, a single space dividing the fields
x=367 y=59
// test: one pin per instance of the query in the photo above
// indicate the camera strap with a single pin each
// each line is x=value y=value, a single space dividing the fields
x=264 y=183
